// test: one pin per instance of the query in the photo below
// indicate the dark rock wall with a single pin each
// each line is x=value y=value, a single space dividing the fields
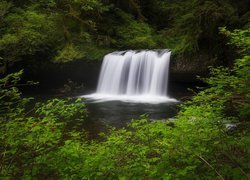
x=187 y=69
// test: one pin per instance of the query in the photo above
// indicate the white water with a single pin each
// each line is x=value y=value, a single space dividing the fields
x=134 y=76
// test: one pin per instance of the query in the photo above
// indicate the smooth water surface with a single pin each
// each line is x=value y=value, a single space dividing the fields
x=118 y=114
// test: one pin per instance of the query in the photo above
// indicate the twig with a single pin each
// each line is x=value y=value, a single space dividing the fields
x=29 y=111
x=221 y=177
x=238 y=164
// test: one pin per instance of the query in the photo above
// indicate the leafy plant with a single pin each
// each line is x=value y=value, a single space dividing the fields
x=28 y=135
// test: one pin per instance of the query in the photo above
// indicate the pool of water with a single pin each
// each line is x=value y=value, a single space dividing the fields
x=118 y=114
x=109 y=111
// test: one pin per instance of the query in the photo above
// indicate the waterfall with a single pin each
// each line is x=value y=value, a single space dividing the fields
x=134 y=74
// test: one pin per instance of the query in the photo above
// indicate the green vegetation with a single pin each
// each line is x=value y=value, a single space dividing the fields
x=29 y=135
x=62 y=31
x=38 y=143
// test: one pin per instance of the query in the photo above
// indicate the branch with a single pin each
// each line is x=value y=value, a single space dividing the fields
x=201 y=158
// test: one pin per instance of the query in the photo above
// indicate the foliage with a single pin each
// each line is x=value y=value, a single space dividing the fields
x=48 y=28
x=68 y=53
x=197 y=24
x=28 y=32
x=63 y=31
x=136 y=35
x=239 y=38
x=29 y=134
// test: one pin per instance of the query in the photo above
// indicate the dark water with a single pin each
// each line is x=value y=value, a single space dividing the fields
x=118 y=114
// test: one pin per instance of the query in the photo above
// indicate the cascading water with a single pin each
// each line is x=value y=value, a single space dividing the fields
x=134 y=76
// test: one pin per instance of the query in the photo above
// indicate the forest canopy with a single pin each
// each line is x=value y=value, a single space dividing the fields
x=66 y=30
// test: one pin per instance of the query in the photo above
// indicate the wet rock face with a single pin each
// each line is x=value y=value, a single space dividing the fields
x=55 y=76
x=186 y=69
